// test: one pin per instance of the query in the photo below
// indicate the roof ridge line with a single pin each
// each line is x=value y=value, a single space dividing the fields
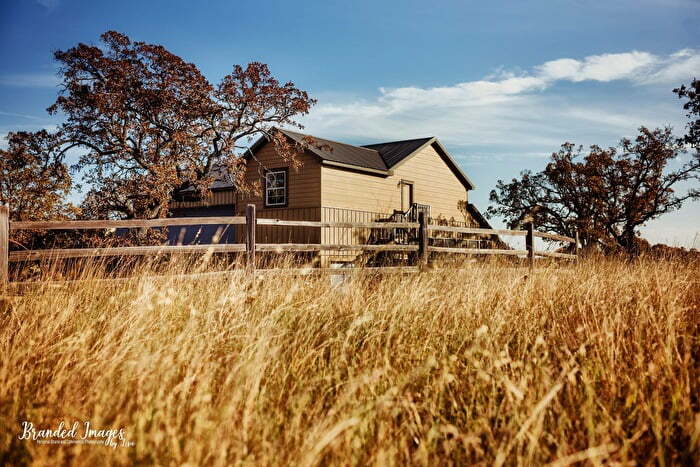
x=400 y=141
x=330 y=140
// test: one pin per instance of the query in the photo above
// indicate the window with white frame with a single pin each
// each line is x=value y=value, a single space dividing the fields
x=276 y=187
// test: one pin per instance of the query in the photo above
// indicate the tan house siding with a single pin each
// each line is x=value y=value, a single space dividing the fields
x=304 y=183
x=434 y=184
x=315 y=189
x=350 y=190
x=303 y=196
x=358 y=190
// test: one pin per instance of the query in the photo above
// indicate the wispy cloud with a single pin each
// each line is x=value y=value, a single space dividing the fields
x=30 y=80
x=508 y=121
x=49 y=4
x=13 y=114
x=521 y=111
x=680 y=66
x=606 y=67
x=637 y=67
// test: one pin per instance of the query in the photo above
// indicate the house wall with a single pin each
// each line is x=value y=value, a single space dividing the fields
x=323 y=192
x=314 y=185
x=203 y=234
x=433 y=184
x=304 y=183
x=303 y=196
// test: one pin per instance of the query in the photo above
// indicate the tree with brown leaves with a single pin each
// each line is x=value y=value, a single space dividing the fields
x=606 y=194
x=691 y=93
x=34 y=181
x=148 y=124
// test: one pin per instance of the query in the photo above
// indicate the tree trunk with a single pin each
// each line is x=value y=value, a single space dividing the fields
x=629 y=242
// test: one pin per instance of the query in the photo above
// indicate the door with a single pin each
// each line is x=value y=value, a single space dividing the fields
x=406 y=195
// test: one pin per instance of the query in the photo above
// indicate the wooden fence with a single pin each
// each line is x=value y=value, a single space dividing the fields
x=250 y=247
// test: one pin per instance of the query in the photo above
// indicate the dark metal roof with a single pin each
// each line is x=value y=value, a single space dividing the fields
x=374 y=158
x=222 y=180
x=341 y=152
x=396 y=151
x=476 y=214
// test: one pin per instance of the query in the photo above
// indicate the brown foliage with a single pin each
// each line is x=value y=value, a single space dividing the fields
x=606 y=194
x=691 y=93
x=148 y=123
x=145 y=124
x=34 y=181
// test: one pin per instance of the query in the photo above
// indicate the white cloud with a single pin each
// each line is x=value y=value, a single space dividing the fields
x=678 y=68
x=506 y=122
x=509 y=108
x=472 y=93
x=637 y=67
x=606 y=67
x=30 y=80
x=13 y=114
x=608 y=117
x=563 y=68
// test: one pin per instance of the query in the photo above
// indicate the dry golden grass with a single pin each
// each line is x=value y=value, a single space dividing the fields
x=595 y=362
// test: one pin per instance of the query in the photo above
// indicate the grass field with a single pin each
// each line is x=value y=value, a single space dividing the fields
x=596 y=362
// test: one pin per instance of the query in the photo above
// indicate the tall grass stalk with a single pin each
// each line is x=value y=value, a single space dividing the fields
x=490 y=364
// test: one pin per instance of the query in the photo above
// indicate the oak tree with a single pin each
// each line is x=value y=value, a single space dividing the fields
x=605 y=194
x=691 y=93
x=34 y=181
x=147 y=123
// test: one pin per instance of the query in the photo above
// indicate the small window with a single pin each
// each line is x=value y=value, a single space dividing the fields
x=276 y=187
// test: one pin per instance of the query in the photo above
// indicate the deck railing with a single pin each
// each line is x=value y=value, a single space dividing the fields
x=421 y=248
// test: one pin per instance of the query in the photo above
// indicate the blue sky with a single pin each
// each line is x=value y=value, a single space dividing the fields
x=501 y=83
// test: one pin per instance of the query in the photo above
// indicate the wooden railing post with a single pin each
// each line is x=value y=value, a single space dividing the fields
x=576 y=247
x=4 y=245
x=530 y=244
x=422 y=240
x=250 y=224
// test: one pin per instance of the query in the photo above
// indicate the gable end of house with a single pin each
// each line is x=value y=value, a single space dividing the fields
x=378 y=159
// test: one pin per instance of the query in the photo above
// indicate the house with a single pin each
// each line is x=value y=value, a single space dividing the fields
x=339 y=182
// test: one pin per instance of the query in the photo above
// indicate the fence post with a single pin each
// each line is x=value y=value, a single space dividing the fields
x=422 y=240
x=576 y=249
x=250 y=224
x=530 y=243
x=4 y=244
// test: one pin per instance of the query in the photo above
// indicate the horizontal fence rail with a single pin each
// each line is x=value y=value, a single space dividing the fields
x=124 y=224
x=307 y=271
x=420 y=250
x=476 y=231
x=555 y=254
x=552 y=236
x=476 y=251
x=123 y=251
x=362 y=225
x=282 y=247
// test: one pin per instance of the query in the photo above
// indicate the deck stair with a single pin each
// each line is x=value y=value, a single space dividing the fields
x=394 y=236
